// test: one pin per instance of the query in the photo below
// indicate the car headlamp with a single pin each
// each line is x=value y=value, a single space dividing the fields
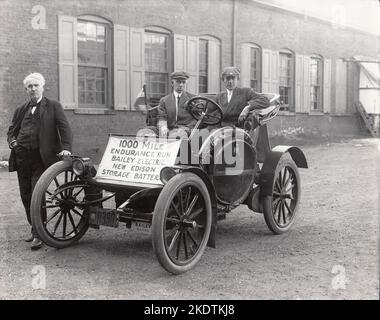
x=81 y=166
x=166 y=174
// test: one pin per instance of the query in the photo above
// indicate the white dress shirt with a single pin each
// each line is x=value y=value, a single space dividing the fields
x=229 y=95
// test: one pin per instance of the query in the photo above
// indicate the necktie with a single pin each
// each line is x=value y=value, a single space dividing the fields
x=176 y=116
x=32 y=106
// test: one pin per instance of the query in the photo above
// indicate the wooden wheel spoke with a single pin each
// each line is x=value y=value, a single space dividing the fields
x=187 y=199
x=174 y=240
x=283 y=212
x=78 y=213
x=56 y=182
x=277 y=185
x=280 y=179
x=53 y=215
x=277 y=194
x=57 y=223
x=192 y=204
x=50 y=206
x=182 y=209
x=76 y=194
x=192 y=239
x=290 y=211
x=289 y=178
x=175 y=209
x=179 y=245
x=290 y=187
x=64 y=225
x=195 y=213
x=53 y=196
x=275 y=204
x=278 y=210
x=173 y=219
x=171 y=232
x=72 y=222
x=185 y=245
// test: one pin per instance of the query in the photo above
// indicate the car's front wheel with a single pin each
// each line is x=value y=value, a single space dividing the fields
x=181 y=223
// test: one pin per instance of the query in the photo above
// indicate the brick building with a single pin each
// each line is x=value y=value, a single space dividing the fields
x=97 y=55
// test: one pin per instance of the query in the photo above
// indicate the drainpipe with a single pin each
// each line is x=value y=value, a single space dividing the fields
x=234 y=18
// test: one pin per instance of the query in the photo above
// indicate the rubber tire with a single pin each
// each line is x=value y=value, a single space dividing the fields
x=160 y=211
x=42 y=184
x=285 y=161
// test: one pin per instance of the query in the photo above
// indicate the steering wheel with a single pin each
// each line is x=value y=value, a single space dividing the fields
x=206 y=109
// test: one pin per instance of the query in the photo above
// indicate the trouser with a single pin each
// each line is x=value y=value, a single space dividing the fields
x=177 y=132
x=29 y=169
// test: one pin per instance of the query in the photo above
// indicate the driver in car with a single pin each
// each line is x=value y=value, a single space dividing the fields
x=237 y=102
x=173 y=118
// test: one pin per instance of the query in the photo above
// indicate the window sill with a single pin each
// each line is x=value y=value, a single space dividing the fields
x=286 y=113
x=93 y=111
x=316 y=113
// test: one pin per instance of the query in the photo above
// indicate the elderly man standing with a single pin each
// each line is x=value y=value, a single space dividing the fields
x=238 y=102
x=38 y=135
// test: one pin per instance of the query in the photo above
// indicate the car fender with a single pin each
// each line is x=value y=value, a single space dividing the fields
x=269 y=167
x=296 y=153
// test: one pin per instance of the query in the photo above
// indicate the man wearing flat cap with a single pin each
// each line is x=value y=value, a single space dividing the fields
x=172 y=115
x=238 y=102
x=38 y=135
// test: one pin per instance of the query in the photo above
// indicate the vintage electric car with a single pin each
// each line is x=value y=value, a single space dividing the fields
x=176 y=199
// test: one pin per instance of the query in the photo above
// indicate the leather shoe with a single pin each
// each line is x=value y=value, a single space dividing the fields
x=36 y=244
x=30 y=239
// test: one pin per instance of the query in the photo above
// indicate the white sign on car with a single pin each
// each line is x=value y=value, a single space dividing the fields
x=136 y=160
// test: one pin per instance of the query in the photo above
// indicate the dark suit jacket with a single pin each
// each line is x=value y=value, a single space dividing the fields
x=241 y=97
x=167 y=111
x=55 y=133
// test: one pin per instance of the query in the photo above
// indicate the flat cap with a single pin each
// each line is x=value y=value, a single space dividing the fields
x=231 y=71
x=179 y=75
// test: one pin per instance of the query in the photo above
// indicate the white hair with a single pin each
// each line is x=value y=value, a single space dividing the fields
x=34 y=77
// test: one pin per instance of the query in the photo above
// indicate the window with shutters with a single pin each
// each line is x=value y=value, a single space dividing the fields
x=209 y=64
x=255 y=62
x=157 y=63
x=286 y=81
x=203 y=66
x=94 y=62
x=316 y=83
x=251 y=66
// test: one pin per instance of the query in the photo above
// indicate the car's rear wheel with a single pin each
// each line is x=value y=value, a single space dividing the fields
x=181 y=223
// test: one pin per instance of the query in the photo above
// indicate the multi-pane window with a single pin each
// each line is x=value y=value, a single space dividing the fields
x=315 y=83
x=286 y=81
x=203 y=66
x=93 y=63
x=254 y=80
x=156 y=64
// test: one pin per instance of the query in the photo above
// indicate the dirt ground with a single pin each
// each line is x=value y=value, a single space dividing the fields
x=332 y=251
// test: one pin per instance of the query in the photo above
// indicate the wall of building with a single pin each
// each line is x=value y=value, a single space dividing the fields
x=24 y=49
